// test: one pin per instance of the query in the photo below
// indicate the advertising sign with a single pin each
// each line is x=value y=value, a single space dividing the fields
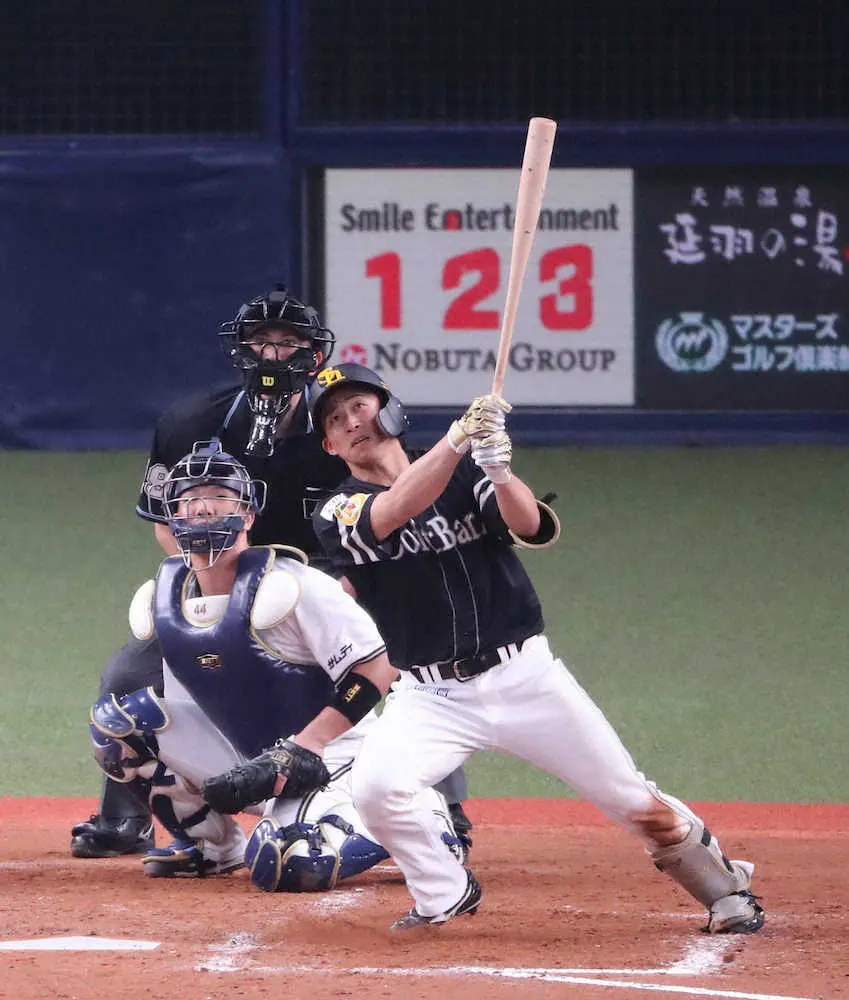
x=416 y=265
x=742 y=295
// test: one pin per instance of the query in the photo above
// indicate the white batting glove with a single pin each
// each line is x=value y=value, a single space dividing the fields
x=493 y=454
x=484 y=416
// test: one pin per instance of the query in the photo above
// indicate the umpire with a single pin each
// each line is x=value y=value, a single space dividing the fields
x=276 y=343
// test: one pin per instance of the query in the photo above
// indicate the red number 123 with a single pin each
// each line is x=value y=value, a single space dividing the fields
x=465 y=313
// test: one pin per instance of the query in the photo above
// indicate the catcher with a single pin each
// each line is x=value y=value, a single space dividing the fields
x=256 y=645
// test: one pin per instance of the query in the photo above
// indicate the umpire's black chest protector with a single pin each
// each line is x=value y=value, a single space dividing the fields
x=252 y=696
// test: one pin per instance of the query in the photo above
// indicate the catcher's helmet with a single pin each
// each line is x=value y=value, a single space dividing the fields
x=209 y=465
x=280 y=310
x=391 y=416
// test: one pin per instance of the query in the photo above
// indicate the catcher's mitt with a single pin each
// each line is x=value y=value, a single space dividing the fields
x=253 y=782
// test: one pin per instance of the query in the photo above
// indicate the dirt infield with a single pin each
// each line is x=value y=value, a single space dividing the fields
x=572 y=909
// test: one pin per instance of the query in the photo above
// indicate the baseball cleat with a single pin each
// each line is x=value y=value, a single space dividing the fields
x=468 y=903
x=99 y=837
x=737 y=913
x=184 y=859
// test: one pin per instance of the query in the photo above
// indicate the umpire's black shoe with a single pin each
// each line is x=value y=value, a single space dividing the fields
x=462 y=827
x=99 y=837
x=468 y=903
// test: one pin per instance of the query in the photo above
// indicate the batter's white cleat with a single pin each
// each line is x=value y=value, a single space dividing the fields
x=468 y=903
x=738 y=912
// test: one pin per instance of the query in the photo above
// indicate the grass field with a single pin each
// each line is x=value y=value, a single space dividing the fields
x=698 y=594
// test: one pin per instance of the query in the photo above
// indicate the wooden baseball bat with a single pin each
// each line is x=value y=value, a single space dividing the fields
x=535 y=163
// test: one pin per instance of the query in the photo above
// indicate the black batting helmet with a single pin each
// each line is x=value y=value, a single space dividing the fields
x=391 y=416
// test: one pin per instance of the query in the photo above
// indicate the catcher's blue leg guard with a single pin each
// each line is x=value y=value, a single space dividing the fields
x=305 y=857
x=123 y=733
x=358 y=854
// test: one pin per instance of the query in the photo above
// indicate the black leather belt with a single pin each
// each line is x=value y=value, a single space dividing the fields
x=468 y=667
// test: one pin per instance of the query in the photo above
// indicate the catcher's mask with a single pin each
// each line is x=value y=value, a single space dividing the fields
x=270 y=381
x=391 y=416
x=198 y=530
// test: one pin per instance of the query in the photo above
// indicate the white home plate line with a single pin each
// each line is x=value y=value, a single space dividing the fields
x=78 y=944
x=40 y=865
x=544 y=975
x=701 y=958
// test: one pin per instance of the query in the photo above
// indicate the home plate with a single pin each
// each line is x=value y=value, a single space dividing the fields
x=78 y=944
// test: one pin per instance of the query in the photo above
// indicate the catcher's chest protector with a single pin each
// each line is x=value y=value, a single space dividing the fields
x=251 y=695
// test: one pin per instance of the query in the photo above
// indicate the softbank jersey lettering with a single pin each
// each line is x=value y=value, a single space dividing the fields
x=416 y=267
x=742 y=289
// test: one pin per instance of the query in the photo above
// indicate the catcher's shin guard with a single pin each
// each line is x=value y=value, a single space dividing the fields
x=698 y=865
x=178 y=806
x=205 y=842
x=123 y=733
x=305 y=857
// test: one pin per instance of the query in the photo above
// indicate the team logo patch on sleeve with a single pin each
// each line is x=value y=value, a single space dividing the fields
x=349 y=511
x=328 y=511
x=344 y=508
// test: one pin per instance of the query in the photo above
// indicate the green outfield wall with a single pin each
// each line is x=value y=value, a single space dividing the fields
x=697 y=593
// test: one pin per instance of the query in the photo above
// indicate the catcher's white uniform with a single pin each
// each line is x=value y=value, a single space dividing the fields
x=290 y=632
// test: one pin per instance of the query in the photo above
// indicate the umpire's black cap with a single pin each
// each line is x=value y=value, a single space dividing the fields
x=392 y=418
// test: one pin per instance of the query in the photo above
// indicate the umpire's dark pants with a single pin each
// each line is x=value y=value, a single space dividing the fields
x=138 y=665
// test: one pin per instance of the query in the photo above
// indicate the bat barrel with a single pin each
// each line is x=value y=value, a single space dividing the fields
x=535 y=164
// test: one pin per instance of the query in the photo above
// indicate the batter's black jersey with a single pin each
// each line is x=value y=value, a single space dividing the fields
x=447 y=584
x=297 y=469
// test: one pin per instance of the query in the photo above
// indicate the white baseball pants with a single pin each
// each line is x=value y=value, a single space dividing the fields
x=530 y=706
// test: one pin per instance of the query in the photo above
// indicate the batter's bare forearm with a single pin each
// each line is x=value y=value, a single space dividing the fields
x=518 y=507
x=418 y=486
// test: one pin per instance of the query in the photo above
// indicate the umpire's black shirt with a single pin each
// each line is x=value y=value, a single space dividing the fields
x=444 y=586
x=297 y=465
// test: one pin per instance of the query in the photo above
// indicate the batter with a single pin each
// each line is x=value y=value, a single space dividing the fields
x=429 y=548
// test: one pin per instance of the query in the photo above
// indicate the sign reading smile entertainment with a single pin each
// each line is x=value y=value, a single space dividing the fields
x=416 y=265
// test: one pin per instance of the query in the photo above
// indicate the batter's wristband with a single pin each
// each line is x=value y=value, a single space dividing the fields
x=498 y=474
x=356 y=697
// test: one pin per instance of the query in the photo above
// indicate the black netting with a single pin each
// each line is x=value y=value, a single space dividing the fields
x=579 y=60
x=198 y=66
x=131 y=66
